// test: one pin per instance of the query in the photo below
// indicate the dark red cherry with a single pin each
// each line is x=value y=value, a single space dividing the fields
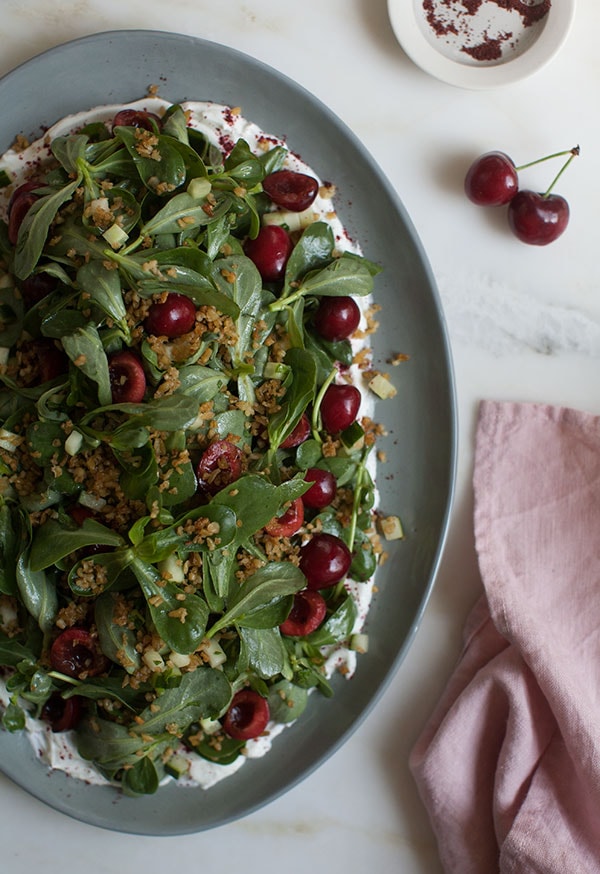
x=289 y=522
x=270 y=251
x=219 y=466
x=25 y=188
x=323 y=488
x=61 y=713
x=53 y=361
x=491 y=180
x=79 y=513
x=324 y=561
x=300 y=433
x=173 y=317
x=307 y=613
x=339 y=407
x=127 y=378
x=538 y=219
x=291 y=190
x=337 y=318
x=21 y=201
x=36 y=287
x=247 y=716
x=17 y=212
x=136 y=118
x=77 y=653
x=45 y=359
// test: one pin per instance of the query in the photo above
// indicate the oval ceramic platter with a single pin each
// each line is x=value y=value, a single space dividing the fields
x=417 y=481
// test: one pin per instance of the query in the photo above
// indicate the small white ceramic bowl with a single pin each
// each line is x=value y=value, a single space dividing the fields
x=478 y=44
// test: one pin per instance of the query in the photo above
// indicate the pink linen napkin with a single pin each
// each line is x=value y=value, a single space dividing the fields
x=509 y=764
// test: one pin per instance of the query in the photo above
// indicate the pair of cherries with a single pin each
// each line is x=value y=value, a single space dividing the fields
x=534 y=218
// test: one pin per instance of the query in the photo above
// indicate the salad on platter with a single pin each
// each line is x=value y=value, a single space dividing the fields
x=188 y=521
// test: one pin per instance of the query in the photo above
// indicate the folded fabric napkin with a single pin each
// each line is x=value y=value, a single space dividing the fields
x=509 y=764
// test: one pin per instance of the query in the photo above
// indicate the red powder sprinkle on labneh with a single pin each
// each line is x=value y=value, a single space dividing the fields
x=226 y=143
x=230 y=115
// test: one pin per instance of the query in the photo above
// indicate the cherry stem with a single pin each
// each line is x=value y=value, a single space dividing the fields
x=574 y=153
x=358 y=494
x=317 y=405
x=571 y=152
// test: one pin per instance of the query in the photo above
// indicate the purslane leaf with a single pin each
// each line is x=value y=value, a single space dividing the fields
x=108 y=744
x=9 y=548
x=34 y=229
x=271 y=583
x=11 y=316
x=297 y=397
x=264 y=651
x=159 y=163
x=52 y=541
x=142 y=778
x=337 y=627
x=84 y=348
x=69 y=150
x=237 y=277
x=343 y=276
x=313 y=250
x=94 y=575
x=184 y=212
x=118 y=641
x=12 y=651
x=103 y=287
x=161 y=544
x=38 y=592
x=170 y=413
x=287 y=701
x=180 y=618
x=255 y=501
x=204 y=692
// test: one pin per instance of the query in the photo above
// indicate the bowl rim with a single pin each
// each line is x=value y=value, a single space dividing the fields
x=403 y=15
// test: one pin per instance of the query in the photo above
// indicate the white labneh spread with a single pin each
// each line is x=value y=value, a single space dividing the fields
x=223 y=126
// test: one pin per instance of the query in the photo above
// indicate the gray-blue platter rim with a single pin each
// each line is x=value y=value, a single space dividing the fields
x=417 y=482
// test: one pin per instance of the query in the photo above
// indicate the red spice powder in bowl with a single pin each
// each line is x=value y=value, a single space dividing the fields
x=481 y=43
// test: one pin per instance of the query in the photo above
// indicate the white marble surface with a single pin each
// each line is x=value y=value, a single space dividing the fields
x=524 y=325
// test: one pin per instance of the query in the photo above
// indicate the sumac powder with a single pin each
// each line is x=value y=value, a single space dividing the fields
x=464 y=22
